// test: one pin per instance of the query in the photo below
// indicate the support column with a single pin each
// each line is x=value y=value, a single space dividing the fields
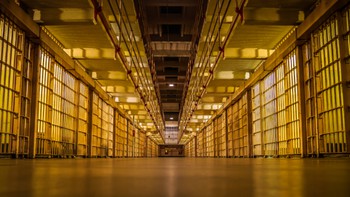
x=226 y=131
x=115 y=124
x=146 y=146
x=18 y=87
x=314 y=93
x=77 y=95
x=127 y=138
x=302 y=102
x=215 y=138
x=34 y=102
x=89 y=131
x=195 y=146
x=249 y=123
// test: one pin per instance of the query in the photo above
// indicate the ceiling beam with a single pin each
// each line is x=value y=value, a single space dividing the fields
x=229 y=74
x=137 y=112
x=216 y=83
x=273 y=16
x=170 y=91
x=171 y=53
x=64 y=16
x=92 y=53
x=181 y=65
x=114 y=82
x=247 y=53
x=214 y=98
x=267 y=16
x=203 y=113
x=118 y=86
x=165 y=80
x=170 y=20
x=209 y=106
x=171 y=38
x=132 y=106
x=121 y=94
x=171 y=73
x=131 y=101
x=159 y=3
x=239 y=53
x=119 y=76
x=131 y=18
x=167 y=45
x=219 y=95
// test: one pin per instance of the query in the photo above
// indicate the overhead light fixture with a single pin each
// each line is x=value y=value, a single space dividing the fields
x=171 y=118
x=247 y=75
x=171 y=85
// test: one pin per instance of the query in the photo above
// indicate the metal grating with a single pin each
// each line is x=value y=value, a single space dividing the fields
x=292 y=104
x=121 y=136
x=83 y=120
x=329 y=91
x=269 y=116
x=11 y=53
x=309 y=81
x=26 y=93
x=44 y=117
x=281 y=111
x=63 y=112
x=256 y=117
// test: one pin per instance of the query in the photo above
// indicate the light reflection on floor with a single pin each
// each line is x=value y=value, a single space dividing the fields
x=172 y=177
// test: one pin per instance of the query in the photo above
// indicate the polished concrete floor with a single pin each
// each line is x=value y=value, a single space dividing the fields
x=170 y=177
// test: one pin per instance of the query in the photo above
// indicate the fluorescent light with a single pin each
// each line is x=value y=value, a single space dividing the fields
x=247 y=75
x=171 y=85
x=171 y=118
x=132 y=100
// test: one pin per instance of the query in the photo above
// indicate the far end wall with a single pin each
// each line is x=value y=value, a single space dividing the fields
x=171 y=151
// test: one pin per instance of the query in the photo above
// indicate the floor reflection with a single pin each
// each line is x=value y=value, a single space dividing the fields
x=172 y=177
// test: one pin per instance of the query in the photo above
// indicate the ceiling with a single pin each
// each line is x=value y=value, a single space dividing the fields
x=170 y=64
x=169 y=30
